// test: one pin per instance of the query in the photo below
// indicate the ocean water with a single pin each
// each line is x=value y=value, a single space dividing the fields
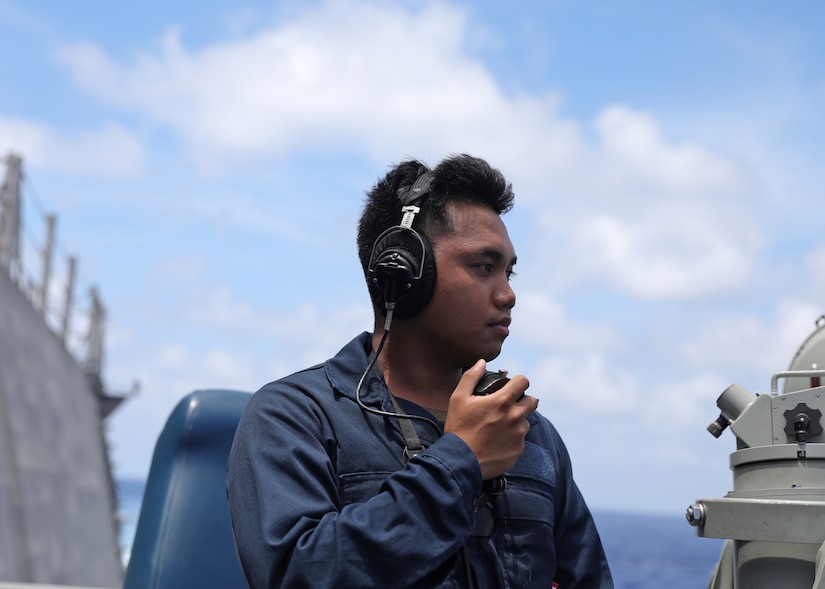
x=645 y=551
x=648 y=551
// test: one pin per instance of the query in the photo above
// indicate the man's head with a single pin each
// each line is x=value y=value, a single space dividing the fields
x=457 y=179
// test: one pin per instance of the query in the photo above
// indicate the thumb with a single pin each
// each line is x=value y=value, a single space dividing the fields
x=471 y=376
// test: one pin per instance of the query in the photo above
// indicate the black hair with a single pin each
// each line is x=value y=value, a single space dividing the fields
x=458 y=178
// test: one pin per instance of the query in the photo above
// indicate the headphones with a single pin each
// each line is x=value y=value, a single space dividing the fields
x=402 y=264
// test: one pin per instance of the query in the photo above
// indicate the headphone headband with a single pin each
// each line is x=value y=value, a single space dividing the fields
x=419 y=189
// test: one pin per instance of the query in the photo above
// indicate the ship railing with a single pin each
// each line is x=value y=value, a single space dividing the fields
x=51 y=293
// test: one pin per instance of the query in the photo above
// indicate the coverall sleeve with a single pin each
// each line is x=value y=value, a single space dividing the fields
x=293 y=529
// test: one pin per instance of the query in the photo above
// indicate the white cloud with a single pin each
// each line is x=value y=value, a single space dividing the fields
x=667 y=252
x=172 y=364
x=403 y=79
x=815 y=262
x=753 y=343
x=293 y=85
x=680 y=405
x=653 y=219
x=641 y=167
x=543 y=322
x=219 y=309
x=585 y=383
x=111 y=151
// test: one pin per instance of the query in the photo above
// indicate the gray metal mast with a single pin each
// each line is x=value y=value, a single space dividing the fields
x=10 y=219
x=93 y=363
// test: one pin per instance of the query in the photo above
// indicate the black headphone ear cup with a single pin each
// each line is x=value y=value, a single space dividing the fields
x=403 y=267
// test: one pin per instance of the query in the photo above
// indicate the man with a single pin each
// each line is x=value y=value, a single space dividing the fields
x=381 y=467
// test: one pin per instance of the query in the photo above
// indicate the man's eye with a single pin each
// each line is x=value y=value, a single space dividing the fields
x=511 y=274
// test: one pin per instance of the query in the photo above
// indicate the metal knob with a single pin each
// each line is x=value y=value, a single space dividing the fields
x=695 y=514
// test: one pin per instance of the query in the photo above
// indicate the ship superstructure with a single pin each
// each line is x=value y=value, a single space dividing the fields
x=58 y=508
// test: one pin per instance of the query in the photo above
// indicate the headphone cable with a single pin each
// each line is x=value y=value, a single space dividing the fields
x=373 y=410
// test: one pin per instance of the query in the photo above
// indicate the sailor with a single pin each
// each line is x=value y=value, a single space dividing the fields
x=380 y=467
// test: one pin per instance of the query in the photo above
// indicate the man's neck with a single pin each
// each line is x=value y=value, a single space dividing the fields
x=412 y=375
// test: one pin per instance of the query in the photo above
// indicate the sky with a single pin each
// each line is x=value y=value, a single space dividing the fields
x=208 y=162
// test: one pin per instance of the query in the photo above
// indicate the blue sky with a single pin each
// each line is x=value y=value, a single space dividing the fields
x=208 y=163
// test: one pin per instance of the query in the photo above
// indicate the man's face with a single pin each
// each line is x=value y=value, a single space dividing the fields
x=469 y=315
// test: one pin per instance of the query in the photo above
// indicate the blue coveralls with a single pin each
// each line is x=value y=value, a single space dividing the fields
x=321 y=496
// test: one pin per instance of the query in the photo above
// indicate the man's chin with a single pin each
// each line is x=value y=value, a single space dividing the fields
x=492 y=354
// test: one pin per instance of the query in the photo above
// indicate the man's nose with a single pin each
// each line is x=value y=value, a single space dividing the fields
x=506 y=296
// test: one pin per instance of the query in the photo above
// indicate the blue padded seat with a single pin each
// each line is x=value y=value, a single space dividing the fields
x=183 y=538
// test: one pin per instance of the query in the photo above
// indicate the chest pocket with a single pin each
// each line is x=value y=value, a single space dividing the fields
x=525 y=520
x=358 y=487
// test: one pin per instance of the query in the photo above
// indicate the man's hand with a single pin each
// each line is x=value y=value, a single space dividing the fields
x=493 y=426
